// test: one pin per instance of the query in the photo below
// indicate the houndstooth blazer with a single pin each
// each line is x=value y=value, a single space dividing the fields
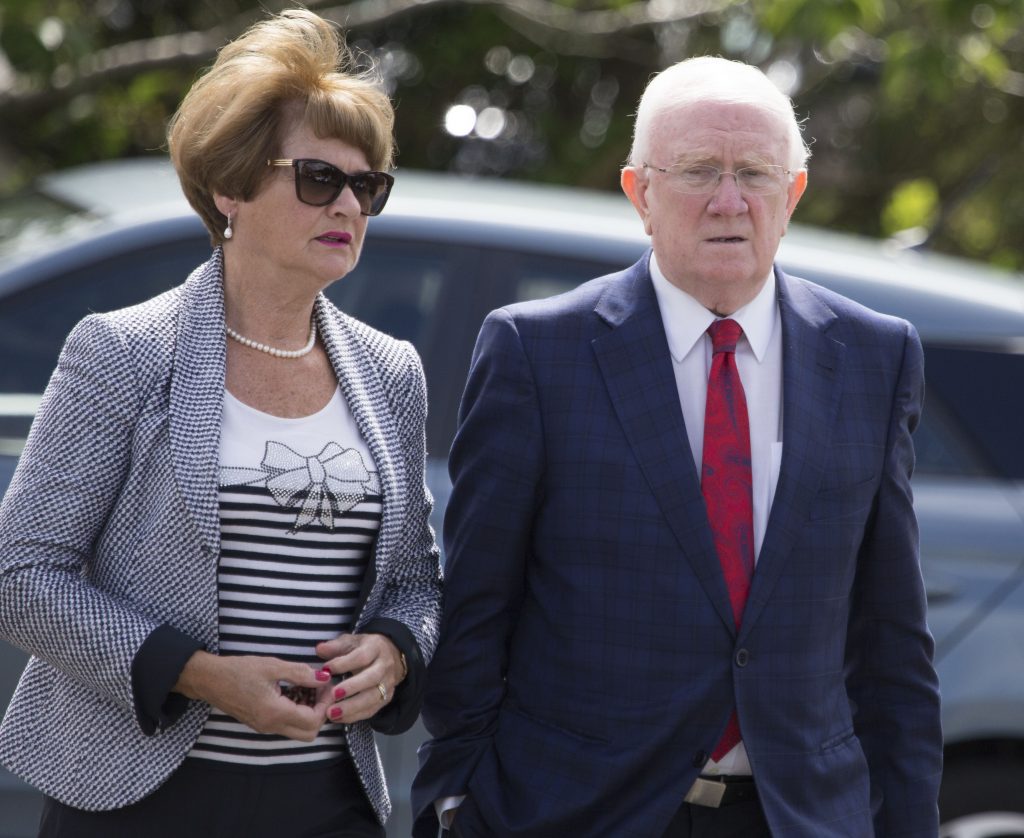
x=110 y=529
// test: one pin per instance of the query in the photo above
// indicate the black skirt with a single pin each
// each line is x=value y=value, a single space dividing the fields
x=205 y=799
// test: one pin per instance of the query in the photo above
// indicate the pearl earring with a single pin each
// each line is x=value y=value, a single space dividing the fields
x=228 y=232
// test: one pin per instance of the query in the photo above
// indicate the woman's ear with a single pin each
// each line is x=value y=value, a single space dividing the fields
x=227 y=206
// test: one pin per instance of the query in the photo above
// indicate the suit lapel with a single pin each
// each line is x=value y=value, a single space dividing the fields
x=634 y=359
x=365 y=395
x=812 y=364
x=197 y=396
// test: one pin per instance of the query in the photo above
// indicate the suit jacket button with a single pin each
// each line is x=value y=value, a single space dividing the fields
x=742 y=657
x=700 y=759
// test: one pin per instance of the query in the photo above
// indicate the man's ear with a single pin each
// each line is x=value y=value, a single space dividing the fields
x=635 y=185
x=796 y=190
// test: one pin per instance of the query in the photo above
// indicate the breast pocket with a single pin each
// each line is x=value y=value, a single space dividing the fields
x=849 y=482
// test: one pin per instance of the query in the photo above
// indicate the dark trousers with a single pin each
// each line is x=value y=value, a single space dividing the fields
x=741 y=820
x=204 y=799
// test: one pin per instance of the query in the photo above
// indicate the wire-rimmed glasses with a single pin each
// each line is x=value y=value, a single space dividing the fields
x=703 y=178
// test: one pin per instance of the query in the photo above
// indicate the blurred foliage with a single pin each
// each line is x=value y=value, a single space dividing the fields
x=911 y=206
x=915 y=108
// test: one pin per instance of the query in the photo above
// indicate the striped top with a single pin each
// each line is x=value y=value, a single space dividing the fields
x=300 y=507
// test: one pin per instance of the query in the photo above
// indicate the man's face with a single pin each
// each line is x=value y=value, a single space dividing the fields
x=718 y=246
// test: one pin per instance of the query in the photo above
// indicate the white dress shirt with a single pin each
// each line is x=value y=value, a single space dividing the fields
x=759 y=360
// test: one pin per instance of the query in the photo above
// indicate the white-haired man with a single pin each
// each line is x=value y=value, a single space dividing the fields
x=683 y=593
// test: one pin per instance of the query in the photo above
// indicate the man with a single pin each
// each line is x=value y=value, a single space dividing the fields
x=683 y=592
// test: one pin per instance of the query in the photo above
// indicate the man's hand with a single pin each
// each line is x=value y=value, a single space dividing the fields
x=371 y=667
x=247 y=688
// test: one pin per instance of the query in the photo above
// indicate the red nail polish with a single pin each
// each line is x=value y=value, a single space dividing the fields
x=339 y=693
x=321 y=675
x=326 y=669
x=334 y=712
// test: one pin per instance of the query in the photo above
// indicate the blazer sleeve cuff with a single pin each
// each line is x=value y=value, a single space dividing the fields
x=401 y=712
x=155 y=670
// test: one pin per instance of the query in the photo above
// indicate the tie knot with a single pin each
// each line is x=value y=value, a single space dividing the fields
x=724 y=335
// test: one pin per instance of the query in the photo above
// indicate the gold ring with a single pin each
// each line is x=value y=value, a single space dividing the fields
x=383 y=691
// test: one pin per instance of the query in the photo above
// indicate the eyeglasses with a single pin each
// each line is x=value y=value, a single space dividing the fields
x=318 y=184
x=764 y=179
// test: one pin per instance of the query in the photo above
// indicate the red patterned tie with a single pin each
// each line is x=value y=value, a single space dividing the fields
x=726 y=482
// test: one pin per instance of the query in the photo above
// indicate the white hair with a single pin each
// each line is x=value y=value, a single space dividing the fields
x=709 y=78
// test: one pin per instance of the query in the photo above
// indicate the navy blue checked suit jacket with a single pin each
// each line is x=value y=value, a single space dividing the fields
x=588 y=658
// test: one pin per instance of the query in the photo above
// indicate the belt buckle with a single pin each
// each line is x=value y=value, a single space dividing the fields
x=706 y=793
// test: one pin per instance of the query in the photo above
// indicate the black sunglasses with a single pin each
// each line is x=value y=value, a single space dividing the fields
x=318 y=184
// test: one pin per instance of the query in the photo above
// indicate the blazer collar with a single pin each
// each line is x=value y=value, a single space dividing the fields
x=813 y=369
x=358 y=373
x=364 y=391
x=634 y=359
x=197 y=395
x=630 y=296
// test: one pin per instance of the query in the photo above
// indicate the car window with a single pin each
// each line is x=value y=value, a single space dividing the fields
x=941 y=444
x=535 y=276
x=36 y=218
x=35 y=321
x=419 y=291
x=436 y=295
x=980 y=388
x=396 y=288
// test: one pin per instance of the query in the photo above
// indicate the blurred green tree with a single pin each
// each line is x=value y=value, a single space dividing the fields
x=915 y=108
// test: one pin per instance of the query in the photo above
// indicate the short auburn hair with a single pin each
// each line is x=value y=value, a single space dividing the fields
x=291 y=69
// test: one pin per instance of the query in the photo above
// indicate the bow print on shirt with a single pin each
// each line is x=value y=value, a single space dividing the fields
x=322 y=487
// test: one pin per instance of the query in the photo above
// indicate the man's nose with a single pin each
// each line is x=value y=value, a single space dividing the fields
x=727 y=199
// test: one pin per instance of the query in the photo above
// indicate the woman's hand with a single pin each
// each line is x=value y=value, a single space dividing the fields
x=248 y=688
x=371 y=666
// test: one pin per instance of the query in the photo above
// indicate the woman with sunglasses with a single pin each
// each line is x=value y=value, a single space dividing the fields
x=216 y=544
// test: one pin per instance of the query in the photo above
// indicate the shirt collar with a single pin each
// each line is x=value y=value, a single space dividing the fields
x=686 y=320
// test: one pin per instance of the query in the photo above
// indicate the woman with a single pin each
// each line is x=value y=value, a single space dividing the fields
x=216 y=543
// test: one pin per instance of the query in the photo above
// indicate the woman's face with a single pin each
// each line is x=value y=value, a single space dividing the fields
x=298 y=242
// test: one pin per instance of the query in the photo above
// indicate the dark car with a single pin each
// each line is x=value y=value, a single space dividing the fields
x=448 y=250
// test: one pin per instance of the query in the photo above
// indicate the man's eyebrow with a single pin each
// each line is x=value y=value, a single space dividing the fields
x=758 y=159
x=697 y=158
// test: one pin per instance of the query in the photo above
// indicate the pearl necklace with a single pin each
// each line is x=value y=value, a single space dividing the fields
x=270 y=350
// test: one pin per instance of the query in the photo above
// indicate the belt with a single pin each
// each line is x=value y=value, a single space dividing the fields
x=724 y=790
